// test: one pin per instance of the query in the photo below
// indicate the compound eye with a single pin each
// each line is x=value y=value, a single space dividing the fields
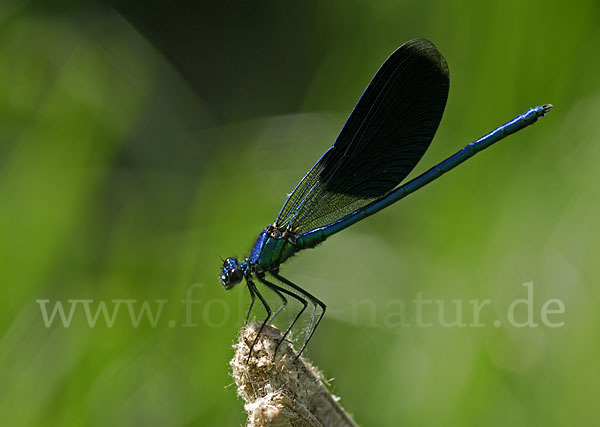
x=235 y=276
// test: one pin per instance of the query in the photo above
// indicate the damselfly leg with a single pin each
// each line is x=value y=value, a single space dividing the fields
x=315 y=301
x=253 y=290
x=293 y=295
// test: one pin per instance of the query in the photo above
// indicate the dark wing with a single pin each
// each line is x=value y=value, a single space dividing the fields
x=384 y=138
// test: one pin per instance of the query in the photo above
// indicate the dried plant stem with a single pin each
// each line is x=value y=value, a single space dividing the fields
x=282 y=392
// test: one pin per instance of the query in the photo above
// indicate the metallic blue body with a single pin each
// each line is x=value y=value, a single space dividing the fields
x=275 y=244
x=258 y=247
x=269 y=252
x=384 y=138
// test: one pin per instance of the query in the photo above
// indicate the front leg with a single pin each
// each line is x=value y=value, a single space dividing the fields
x=253 y=297
x=253 y=289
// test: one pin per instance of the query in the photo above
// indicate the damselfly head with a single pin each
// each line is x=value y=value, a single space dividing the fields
x=232 y=273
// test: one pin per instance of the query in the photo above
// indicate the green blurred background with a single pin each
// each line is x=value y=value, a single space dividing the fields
x=140 y=141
